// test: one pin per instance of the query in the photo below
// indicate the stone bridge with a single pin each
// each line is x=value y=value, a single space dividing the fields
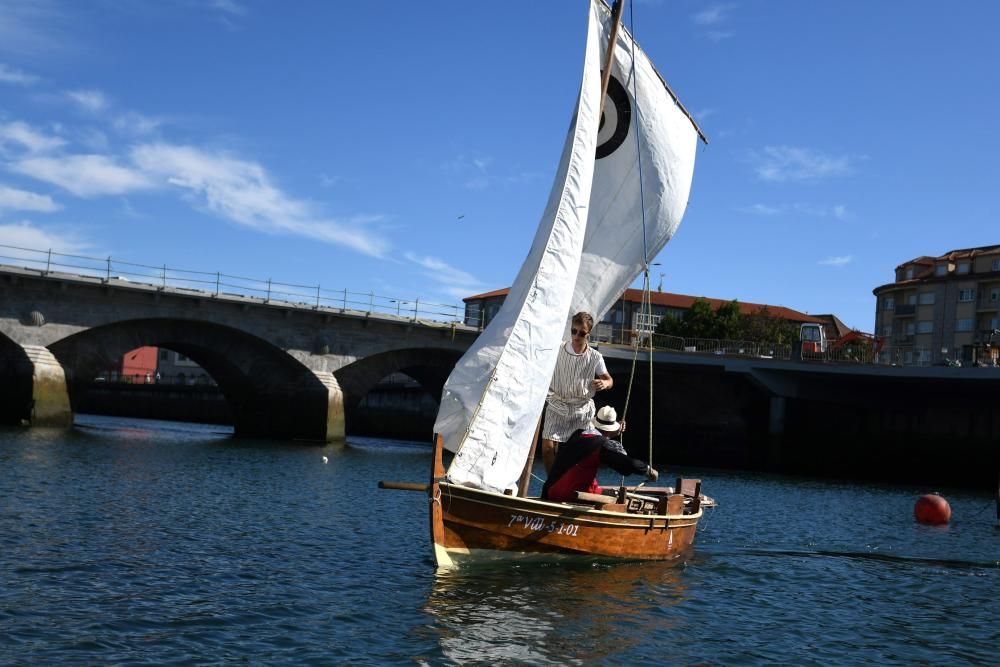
x=288 y=370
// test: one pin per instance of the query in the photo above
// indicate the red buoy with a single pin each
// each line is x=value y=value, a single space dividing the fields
x=932 y=509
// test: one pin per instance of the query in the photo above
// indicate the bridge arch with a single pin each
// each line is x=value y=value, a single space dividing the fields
x=15 y=390
x=270 y=393
x=428 y=366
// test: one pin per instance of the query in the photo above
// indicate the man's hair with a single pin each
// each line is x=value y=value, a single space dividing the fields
x=585 y=319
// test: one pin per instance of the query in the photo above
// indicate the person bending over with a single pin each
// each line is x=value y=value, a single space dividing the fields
x=577 y=460
x=580 y=372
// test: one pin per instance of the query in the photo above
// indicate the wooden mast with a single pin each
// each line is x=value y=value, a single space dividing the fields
x=525 y=481
x=616 y=19
x=609 y=57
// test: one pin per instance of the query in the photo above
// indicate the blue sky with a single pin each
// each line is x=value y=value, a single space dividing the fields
x=408 y=148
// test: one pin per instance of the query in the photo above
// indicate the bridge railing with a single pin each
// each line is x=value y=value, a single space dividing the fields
x=862 y=353
x=715 y=346
x=110 y=270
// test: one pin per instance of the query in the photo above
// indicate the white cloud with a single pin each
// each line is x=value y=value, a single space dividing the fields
x=839 y=211
x=84 y=175
x=136 y=124
x=712 y=15
x=703 y=114
x=843 y=260
x=23 y=135
x=229 y=7
x=228 y=13
x=241 y=191
x=21 y=200
x=453 y=282
x=473 y=172
x=790 y=163
x=38 y=27
x=24 y=235
x=763 y=209
x=328 y=181
x=15 y=76
x=89 y=100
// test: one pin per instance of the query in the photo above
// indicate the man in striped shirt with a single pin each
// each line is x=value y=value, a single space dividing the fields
x=580 y=373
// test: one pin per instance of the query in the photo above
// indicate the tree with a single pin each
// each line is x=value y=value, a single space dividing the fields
x=727 y=323
x=701 y=321
x=762 y=326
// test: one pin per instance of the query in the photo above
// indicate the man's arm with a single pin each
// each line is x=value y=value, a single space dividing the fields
x=622 y=463
x=602 y=382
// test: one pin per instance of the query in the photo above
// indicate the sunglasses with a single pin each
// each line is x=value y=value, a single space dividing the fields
x=579 y=332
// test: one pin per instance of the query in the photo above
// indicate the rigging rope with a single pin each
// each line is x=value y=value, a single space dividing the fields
x=645 y=306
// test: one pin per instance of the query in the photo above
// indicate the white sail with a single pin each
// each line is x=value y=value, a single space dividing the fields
x=666 y=144
x=493 y=398
x=588 y=248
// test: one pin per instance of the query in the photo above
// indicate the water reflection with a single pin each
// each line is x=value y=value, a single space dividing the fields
x=552 y=612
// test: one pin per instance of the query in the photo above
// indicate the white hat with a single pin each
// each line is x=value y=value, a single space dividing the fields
x=606 y=419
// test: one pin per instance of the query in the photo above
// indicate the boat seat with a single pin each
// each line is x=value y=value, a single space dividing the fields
x=690 y=488
x=593 y=498
x=598 y=500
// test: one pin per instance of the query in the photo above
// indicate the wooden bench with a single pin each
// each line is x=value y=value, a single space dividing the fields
x=689 y=488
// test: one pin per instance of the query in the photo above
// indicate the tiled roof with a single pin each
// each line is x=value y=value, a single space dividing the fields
x=952 y=255
x=684 y=301
x=835 y=323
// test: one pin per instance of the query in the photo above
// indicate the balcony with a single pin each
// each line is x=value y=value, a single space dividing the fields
x=904 y=309
x=986 y=304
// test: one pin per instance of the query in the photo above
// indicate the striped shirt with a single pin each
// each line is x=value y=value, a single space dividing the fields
x=569 y=406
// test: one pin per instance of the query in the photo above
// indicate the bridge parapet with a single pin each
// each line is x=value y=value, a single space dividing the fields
x=252 y=347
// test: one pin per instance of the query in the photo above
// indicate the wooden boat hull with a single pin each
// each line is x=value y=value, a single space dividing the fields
x=468 y=522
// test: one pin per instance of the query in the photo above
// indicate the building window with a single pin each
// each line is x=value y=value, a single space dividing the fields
x=925 y=326
x=926 y=298
x=964 y=324
x=909 y=329
x=908 y=357
x=995 y=266
x=909 y=273
x=911 y=299
x=941 y=270
x=963 y=267
x=887 y=330
x=967 y=295
x=994 y=323
x=645 y=323
x=923 y=356
x=994 y=295
x=473 y=312
x=889 y=303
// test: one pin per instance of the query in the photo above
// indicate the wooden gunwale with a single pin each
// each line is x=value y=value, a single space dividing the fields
x=580 y=513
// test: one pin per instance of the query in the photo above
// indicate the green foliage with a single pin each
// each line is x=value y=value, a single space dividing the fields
x=727 y=323
x=762 y=326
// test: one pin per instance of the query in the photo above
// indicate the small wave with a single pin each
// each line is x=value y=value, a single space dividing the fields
x=870 y=556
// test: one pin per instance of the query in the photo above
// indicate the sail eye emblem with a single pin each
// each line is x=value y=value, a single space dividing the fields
x=615 y=120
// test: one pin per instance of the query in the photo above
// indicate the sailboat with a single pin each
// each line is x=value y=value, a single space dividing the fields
x=619 y=194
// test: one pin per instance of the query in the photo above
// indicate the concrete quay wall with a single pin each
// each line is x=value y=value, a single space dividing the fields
x=930 y=426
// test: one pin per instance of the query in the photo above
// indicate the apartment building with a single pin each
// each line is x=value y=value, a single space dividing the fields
x=945 y=307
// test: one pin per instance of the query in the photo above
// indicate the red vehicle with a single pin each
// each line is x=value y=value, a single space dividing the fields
x=814 y=339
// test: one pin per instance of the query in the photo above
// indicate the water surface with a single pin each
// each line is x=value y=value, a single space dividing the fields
x=128 y=541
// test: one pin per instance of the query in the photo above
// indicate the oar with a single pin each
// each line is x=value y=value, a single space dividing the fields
x=402 y=486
